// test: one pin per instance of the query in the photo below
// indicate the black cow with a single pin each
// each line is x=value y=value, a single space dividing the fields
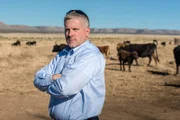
x=58 y=48
x=176 y=52
x=163 y=43
x=143 y=50
x=30 y=43
x=17 y=43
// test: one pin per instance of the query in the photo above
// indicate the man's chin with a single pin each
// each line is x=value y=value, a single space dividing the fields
x=72 y=45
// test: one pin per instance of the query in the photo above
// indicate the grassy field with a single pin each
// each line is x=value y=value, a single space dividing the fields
x=138 y=95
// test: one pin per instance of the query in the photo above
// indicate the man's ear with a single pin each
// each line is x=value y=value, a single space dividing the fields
x=88 y=30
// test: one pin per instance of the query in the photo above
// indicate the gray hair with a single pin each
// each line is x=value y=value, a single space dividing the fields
x=77 y=14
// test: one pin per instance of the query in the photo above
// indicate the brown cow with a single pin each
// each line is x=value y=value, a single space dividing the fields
x=120 y=45
x=105 y=50
x=127 y=42
x=125 y=56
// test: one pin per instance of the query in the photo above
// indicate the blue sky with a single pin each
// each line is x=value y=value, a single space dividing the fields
x=150 y=14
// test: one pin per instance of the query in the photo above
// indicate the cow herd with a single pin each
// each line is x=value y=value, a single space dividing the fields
x=130 y=52
x=126 y=52
x=18 y=43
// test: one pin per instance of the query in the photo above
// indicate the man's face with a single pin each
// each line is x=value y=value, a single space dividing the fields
x=76 y=32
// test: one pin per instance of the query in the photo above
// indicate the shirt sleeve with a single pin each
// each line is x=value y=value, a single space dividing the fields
x=76 y=76
x=43 y=77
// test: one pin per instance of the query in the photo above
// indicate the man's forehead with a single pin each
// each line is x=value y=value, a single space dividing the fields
x=74 y=22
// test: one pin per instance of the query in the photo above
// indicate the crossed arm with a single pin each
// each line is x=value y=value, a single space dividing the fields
x=71 y=80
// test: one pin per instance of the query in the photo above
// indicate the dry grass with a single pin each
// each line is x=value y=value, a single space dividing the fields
x=139 y=95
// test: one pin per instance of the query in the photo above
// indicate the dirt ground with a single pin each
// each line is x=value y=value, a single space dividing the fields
x=146 y=93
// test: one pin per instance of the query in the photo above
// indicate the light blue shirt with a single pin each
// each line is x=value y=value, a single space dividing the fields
x=80 y=92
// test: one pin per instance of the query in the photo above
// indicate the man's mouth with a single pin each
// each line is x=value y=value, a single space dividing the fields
x=71 y=40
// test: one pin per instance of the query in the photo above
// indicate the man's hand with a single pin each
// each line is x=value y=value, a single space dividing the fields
x=56 y=76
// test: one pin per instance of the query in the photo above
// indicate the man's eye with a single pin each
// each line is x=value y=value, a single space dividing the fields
x=75 y=29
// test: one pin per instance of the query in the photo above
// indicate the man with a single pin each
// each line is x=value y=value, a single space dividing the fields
x=75 y=77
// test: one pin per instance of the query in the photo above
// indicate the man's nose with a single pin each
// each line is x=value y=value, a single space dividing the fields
x=71 y=32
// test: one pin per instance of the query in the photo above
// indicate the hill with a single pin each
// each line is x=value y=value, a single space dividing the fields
x=5 y=28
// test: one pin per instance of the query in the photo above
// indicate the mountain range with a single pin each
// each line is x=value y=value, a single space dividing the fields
x=5 y=28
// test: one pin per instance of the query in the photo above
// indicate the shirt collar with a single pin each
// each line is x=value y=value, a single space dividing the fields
x=67 y=49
